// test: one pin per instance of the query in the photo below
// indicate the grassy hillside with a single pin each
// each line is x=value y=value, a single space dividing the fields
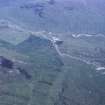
x=57 y=51
x=33 y=73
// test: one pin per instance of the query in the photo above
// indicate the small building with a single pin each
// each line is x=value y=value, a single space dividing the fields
x=57 y=41
x=6 y=63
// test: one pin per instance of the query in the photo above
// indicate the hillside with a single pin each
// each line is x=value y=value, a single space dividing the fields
x=52 y=52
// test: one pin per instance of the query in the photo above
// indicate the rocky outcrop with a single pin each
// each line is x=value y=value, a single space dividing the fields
x=6 y=63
